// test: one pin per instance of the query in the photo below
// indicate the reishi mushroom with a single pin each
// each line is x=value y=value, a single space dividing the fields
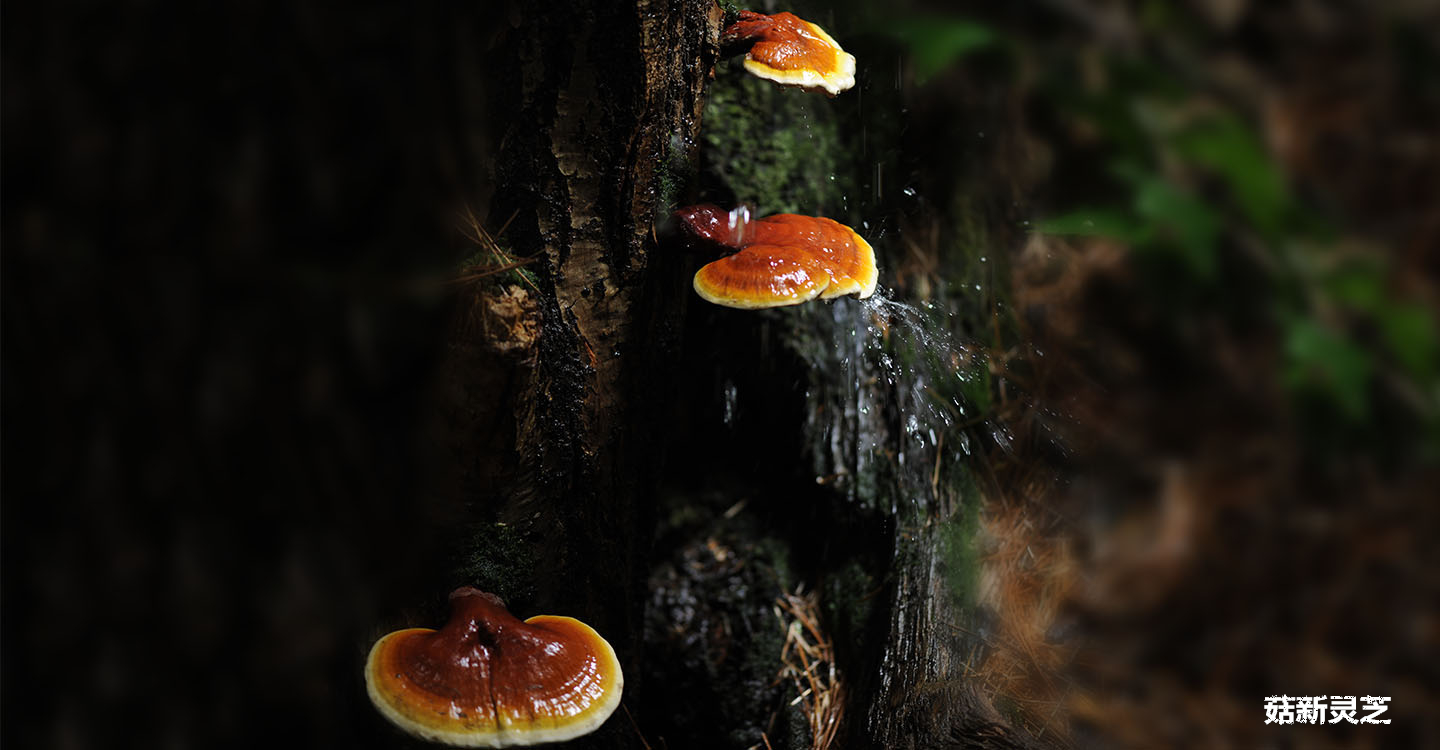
x=785 y=259
x=486 y=679
x=791 y=51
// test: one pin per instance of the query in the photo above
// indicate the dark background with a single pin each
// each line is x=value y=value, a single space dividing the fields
x=225 y=234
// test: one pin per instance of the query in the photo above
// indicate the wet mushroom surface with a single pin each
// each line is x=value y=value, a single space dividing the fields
x=792 y=52
x=487 y=679
x=785 y=259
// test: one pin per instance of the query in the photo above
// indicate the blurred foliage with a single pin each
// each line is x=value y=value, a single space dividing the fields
x=1233 y=286
x=1189 y=185
x=937 y=42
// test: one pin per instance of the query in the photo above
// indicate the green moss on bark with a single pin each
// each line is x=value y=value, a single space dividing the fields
x=777 y=150
x=498 y=558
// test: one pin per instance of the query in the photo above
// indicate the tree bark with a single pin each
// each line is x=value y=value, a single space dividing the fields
x=914 y=690
x=548 y=379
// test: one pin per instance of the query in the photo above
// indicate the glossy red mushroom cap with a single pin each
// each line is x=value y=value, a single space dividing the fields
x=487 y=679
x=791 y=51
x=785 y=259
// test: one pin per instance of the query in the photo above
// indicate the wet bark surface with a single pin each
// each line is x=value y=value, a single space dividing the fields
x=915 y=682
x=604 y=92
x=600 y=99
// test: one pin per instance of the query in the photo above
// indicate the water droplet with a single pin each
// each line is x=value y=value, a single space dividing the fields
x=739 y=221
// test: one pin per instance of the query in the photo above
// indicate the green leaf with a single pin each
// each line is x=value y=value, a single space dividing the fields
x=937 y=43
x=1409 y=331
x=1359 y=286
x=1232 y=150
x=1182 y=219
x=1320 y=359
x=1093 y=222
x=1407 y=328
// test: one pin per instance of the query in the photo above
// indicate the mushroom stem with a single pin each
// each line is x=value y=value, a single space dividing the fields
x=478 y=620
x=711 y=225
x=748 y=27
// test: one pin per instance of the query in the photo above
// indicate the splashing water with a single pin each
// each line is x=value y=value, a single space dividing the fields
x=914 y=391
x=942 y=381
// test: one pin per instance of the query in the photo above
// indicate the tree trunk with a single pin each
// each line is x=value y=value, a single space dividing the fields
x=876 y=433
x=549 y=375
x=563 y=383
